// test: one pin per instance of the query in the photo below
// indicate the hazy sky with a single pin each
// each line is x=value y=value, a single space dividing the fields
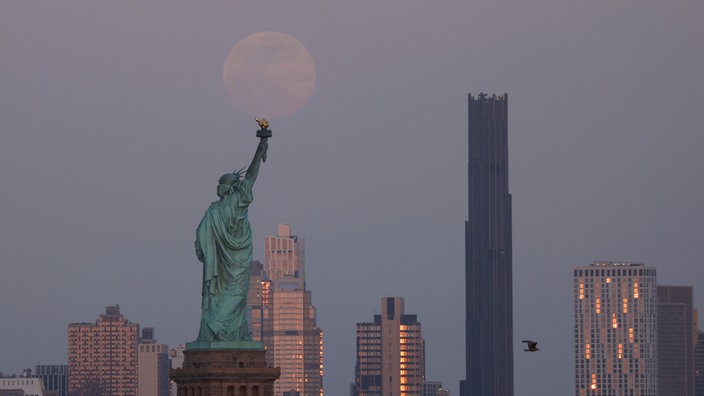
x=115 y=126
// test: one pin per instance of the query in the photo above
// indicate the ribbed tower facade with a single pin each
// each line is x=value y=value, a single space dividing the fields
x=289 y=327
x=616 y=325
x=390 y=353
x=676 y=340
x=488 y=252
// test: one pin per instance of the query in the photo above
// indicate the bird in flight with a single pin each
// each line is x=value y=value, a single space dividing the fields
x=532 y=346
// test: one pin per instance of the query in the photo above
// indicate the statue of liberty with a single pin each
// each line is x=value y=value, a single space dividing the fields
x=224 y=246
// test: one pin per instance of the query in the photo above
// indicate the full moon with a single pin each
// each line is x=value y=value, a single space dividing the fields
x=269 y=74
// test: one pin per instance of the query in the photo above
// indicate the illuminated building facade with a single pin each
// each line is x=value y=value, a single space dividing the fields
x=287 y=318
x=102 y=356
x=616 y=342
x=488 y=252
x=390 y=353
x=676 y=334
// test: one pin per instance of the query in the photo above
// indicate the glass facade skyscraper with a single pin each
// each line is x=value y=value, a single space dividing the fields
x=488 y=252
x=284 y=318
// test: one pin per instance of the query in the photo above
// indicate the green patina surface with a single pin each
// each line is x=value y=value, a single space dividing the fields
x=224 y=246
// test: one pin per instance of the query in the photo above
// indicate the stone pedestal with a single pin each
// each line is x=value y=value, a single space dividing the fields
x=224 y=372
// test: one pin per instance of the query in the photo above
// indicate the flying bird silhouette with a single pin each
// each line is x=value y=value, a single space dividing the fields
x=532 y=346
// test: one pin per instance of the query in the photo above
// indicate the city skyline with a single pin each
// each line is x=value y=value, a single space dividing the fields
x=114 y=123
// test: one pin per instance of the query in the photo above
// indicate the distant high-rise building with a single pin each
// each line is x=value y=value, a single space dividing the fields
x=676 y=335
x=430 y=388
x=257 y=299
x=699 y=364
x=369 y=355
x=287 y=318
x=434 y=388
x=390 y=353
x=152 y=365
x=616 y=341
x=102 y=356
x=55 y=377
x=488 y=253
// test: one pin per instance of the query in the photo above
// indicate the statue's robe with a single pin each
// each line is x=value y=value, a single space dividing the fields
x=224 y=246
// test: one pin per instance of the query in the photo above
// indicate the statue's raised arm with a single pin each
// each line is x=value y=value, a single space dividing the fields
x=260 y=155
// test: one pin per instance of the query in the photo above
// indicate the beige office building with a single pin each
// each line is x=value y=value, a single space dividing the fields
x=284 y=318
x=616 y=342
x=152 y=365
x=390 y=353
x=102 y=356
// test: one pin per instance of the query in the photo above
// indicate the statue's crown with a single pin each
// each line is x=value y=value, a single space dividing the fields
x=229 y=178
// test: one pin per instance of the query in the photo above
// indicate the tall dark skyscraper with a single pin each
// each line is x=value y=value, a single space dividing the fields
x=488 y=268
